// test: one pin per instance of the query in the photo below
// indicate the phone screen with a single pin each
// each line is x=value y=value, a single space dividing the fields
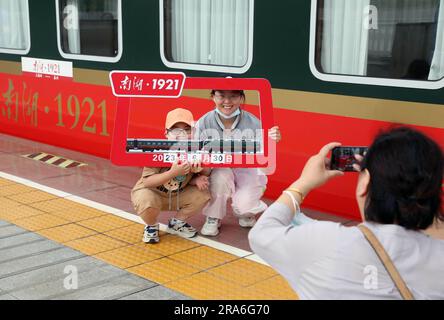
x=343 y=158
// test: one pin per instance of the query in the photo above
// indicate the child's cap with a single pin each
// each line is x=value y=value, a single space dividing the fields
x=179 y=115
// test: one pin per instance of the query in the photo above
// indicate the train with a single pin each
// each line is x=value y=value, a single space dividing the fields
x=339 y=71
x=208 y=146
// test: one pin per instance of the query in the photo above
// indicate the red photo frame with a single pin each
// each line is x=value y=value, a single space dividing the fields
x=119 y=154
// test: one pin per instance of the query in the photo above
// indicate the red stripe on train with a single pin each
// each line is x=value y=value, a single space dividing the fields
x=81 y=117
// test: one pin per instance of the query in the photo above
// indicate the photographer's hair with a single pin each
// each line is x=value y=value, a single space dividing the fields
x=406 y=176
x=240 y=92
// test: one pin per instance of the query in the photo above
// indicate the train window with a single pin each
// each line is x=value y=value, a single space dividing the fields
x=369 y=41
x=90 y=29
x=213 y=35
x=14 y=27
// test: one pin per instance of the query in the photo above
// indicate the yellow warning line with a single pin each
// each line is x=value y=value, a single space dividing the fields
x=66 y=163
x=193 y=269
x=54 y=160
x=41 y=156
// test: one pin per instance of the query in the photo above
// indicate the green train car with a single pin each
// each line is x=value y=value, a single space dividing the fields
x=340 y=70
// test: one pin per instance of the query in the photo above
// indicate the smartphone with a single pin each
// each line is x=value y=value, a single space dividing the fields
x=343 y=158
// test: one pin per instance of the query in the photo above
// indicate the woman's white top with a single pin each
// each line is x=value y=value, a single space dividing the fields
x=325 y=260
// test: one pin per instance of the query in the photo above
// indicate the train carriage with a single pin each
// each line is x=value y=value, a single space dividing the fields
x=339 y=70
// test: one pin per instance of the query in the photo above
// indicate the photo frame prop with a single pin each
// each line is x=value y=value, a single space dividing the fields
x=145 y=151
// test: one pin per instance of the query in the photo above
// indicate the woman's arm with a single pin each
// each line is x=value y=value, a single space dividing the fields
x=288 y=248
x=316 y=173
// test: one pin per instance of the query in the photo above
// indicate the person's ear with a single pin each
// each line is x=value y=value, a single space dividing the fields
x=363 y=183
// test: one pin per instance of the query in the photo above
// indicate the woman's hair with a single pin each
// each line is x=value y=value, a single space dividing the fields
x=406 y=176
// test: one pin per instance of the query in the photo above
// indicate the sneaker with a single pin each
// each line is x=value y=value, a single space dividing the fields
x=151 y=234
x=181 y=228
x=247 y=222
x=211 y=227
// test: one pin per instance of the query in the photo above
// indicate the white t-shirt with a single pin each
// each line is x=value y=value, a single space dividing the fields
x=325 y=260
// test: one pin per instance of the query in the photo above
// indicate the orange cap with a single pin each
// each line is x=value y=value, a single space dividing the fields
x=179 y=115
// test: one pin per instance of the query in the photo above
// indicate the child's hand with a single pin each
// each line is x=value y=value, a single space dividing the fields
x=275 y=134
x=196 y=167
x=202 y=182
x=180 y=169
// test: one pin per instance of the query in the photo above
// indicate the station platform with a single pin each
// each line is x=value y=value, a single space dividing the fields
x=42 y=234
x=60 y=209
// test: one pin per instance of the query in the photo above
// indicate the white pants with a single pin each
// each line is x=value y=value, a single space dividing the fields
x=245 y=187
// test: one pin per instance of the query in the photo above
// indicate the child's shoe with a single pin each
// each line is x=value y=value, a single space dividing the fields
x=151 y=234
x=181 y=228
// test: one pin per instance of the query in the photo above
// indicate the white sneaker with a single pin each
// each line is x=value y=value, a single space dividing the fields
x=211 y=227
x=181 y=228
x=247 y=222
x=151 y=234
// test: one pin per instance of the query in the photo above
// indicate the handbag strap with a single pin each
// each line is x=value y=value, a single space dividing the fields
x=387 y=262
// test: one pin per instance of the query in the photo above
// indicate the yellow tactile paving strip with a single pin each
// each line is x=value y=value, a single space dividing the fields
x=130 y=234
x=234 y=271
x=275 y=286
x=32 y=197
x=95 y=244
x=17 y=212
x=66 y=233
x=55 y=205
x=9 y=190
x=203 y=257
x=164 y=270
x=105 y=223
x=5 y=182
x=76 y=214
x=129 y=256
x=40 y=222
x=194 y=270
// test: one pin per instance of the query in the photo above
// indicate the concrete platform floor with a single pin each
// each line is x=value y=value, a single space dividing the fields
x=33 y=267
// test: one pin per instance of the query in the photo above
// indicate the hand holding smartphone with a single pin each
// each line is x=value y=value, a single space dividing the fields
x=343 y=158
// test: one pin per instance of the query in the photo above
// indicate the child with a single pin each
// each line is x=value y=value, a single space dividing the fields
x=183 y=187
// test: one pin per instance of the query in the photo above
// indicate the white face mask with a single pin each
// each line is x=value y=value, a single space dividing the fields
x=231 y=116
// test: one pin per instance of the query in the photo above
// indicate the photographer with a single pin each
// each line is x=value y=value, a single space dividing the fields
x=399 y=194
